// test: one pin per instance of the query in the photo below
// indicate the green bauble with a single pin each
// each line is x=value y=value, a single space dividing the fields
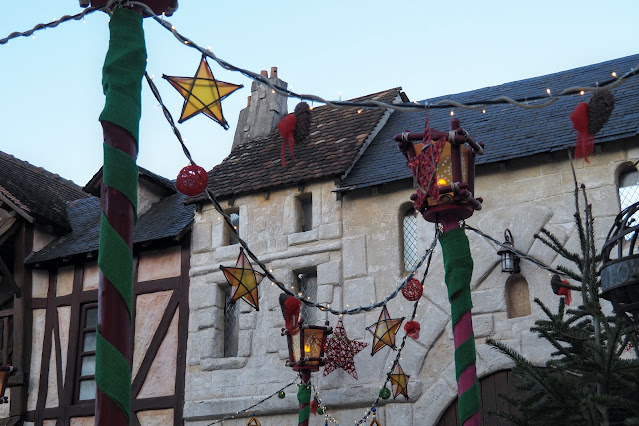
x=320 y=410
x=281 y=394
x=384 y=393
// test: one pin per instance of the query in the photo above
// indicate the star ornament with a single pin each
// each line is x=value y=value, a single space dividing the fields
x=340 y=351
x=384 y=331
x=244 y=281
x=399 y=380
x=202 y=94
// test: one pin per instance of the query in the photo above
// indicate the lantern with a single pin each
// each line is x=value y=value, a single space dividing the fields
x=443 y=166
x=620 y=265
x=158 y=6
x=509 y=260
x=306 y=346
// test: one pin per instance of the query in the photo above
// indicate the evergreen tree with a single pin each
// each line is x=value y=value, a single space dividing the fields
x=586 y=381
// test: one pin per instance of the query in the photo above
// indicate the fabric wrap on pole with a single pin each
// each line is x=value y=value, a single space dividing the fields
x=123 y=70
x=304 y=398
x=458 y=266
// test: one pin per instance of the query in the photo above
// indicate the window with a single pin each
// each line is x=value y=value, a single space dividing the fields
x=86 y=365
x=231 y=324
x=629 y=191
x=235 y=221
x=304 y=209
x=409 y=228
x=307 y=288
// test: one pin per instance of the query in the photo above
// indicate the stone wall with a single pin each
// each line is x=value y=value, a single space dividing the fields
x=355 y=246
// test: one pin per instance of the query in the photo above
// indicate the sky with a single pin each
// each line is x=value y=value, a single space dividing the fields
x=50 y=84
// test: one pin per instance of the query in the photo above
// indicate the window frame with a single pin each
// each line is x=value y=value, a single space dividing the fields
x=236 y=326
x=230 y=238
x=82 y=331
x=408 y=212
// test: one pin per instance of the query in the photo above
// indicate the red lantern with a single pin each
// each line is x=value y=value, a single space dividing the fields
x=413 y=290
x=192 y=180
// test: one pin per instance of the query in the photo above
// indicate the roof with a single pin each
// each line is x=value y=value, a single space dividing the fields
x=94 y=184
x=336 y=137
x=41 y=194
x=507 y=131
x=168 y=218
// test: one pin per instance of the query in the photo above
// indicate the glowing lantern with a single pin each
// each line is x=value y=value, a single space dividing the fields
x=306 y=346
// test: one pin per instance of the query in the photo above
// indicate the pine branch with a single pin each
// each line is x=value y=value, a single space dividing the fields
x=551 y=241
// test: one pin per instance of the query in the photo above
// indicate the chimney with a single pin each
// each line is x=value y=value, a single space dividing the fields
x=264 y=110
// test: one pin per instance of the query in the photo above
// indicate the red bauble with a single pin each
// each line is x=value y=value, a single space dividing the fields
x=412 y=329
x=192 y=180
x=413 y=290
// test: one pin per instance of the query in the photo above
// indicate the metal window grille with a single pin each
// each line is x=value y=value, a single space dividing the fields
x=235 y=220
x=231 y=325
x=410 y=239
x=629 y=192
x=307 y=285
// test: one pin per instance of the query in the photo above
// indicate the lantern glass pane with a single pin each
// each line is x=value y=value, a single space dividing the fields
x=465 y=160
x=295 y=338
x=507 y=262
x=444 y=173
x=313 y=344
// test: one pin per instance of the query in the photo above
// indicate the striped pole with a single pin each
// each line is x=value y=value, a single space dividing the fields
x=458 y=266
x=304 y=398
x=123 y=70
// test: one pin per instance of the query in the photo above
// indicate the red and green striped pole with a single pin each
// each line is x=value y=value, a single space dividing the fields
x=304 y=398
x=458 y=266
x=123 y=70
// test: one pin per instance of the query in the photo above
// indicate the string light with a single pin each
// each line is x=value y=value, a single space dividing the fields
x=548 y=91
x=614 y=74
x=582 y=93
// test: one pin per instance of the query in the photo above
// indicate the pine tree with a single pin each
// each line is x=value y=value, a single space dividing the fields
x=586 y=381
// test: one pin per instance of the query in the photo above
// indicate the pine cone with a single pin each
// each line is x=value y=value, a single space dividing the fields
x=303 y=125
x=599 y=109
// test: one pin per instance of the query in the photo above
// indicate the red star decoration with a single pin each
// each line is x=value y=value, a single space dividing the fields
x=340 y=351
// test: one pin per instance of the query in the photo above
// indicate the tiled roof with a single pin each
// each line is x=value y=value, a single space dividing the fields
x=42 y=194
x=336 y=138
x=508 y=132
x=168 y=218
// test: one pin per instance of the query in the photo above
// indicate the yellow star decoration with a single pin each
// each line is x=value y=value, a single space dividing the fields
x=253 y=421
x=399 y=381
x=385 y=329
x=202 y=94
x=375 y=422
x=244 y=281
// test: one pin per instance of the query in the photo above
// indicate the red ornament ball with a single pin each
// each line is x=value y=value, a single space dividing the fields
x=192 y=180
x=413 y=290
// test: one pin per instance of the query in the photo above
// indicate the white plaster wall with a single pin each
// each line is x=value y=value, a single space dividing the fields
x=360 y=261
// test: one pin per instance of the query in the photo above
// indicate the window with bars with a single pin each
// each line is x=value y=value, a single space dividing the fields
x=629 y=191
x=86 y=365
x=307 y=288
x=409 y=228
x=231 y=324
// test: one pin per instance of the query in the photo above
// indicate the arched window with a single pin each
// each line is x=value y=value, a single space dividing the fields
x=409 y=228
x=517 y=296
x=629 y=190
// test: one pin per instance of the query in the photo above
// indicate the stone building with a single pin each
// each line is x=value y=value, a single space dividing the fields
x=336 y=224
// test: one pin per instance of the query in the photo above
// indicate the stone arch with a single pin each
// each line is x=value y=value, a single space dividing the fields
x=517 y=296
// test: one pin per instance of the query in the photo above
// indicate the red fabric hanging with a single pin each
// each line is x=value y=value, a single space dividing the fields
x=286 y=126
x=291 y=313
x=585 y=141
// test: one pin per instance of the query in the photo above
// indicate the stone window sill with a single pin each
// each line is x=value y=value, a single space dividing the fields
x=233 y=363
x=303 y=237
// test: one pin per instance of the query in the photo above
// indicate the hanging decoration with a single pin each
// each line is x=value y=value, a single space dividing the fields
x=253 y=421
x=559 y=289
x=244 y=280
x=295 y=128
x=384 y=393
x=589 y=118
x=281 y=394
x=412 y=329
x=314 y=406
x=340 y=351
x=192 y=180
x=291 y=311
x=399 y=380
x=384 y=331
x=375 y=422
x=202 y=93
x=413 y=290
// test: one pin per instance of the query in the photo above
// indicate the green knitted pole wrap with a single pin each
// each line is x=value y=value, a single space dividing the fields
x=123 y=70
x=458 y=266
x=304 y=397
x=113 y=375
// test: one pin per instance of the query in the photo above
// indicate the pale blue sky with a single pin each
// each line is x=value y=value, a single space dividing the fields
x=50 y=85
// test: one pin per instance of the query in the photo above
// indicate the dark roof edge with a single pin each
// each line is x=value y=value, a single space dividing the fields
x=378 y=127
